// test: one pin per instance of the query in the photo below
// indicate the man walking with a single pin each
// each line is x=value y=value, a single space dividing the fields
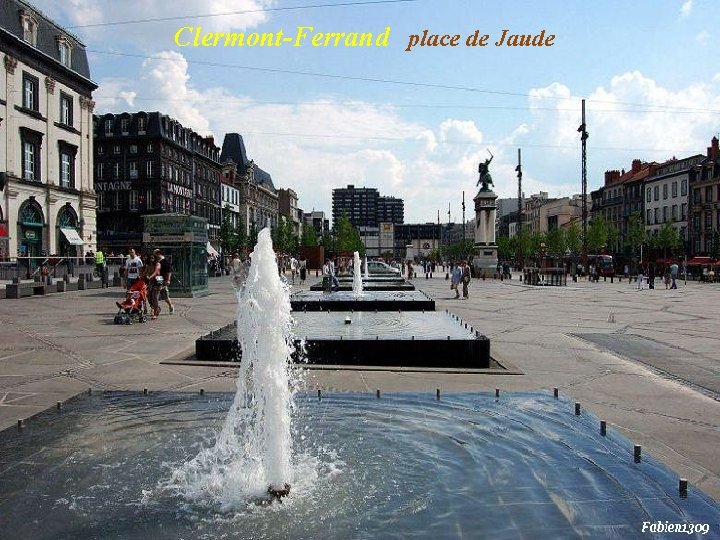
x=166 y=274
x=455 y=279
x=333 y=278
x=673 y=275
x=465 y=279
x=133 y=266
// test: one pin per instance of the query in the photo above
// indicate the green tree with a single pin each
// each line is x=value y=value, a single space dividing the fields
x=348 y=237
x=555 y=243
x=252 y=237
x=228 y=236
x=505 y=248
x=597 y=234
x=284 y=239
x=613 y=235
x=523 y=245
x=309 y=237
x=668 y=239
x=573 y=239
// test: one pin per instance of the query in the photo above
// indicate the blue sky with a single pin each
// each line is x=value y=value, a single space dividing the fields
x=648 y=70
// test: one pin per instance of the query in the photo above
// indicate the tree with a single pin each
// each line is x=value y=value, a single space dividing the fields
x=597 y=234
x=309 y=237
x=252 y=237
x=348 y=237
x=636 y=234
x=573 y=239
x=505 y=248
x=284 y=239
x=555 y=243
x=228 y=236
x=668 y=240
x=613 y=235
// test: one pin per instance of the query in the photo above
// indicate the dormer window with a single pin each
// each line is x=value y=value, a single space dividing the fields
x=141 y=125
x=65 y=51
x=108 y=127
x=29 y=25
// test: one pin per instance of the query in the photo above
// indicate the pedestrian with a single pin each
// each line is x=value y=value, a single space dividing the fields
x=236 y=266
x=303 y=270
x=673 y=275
x=410 y=270
x=651 y=276
x=641 y=278
x=455 y=279
x=666 y=278
x=465 y=279
x=166 y=274
x=293 y=268
x=155 y=282
x=133 y=267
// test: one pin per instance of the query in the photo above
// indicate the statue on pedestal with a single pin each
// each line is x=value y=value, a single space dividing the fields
x=484 y=172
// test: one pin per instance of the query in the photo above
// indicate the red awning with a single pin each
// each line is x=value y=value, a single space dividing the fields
x=701 y=261
x=3 y=231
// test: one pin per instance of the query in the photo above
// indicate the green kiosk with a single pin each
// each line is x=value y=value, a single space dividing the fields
x=183 y=240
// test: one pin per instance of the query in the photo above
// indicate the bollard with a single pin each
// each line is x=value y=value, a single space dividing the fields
x=202 y=391
x=377 y=393
x=145 y=391
x=637 y=453
x=497 y=392
x=20 y=425
x=89 y=391
x=577 y=409
x=603 y=428
x=683 y=488
x=59 y=405
x=555 y=393
x=437 y=394
x=319 y=394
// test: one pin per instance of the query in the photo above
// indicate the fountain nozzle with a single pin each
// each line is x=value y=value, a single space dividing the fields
x=348 y=320
x=279 y=493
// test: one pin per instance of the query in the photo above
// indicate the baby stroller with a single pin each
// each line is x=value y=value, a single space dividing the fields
x=132 y=309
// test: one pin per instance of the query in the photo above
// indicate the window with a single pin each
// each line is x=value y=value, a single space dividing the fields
x=30 y=92
x=708 y=220
x=100 y=149
x=30 y=146
x=100 y=200
x=696 y=196
x=100 y=170
x=674 y=212
x=29 y=157
x=683 y=188
x=29 y=27
x=66 y=109
x=149 y=169
x=116 y=200
x=116 y=149
x=656 y=192
x=108 y=127
x=149 y=199
x=124 y=124
x=116 y=171
x=656 y=211
x=65 y=169
x=141 y=125
x=133 y=169
x=133 y=148
x=683 y=212
x=708 y=194
x=649 y=194
x=133 y=200
x=665 y=213
x=149 y=148
x=665 y=191
x=674 y=189
x=65 y=51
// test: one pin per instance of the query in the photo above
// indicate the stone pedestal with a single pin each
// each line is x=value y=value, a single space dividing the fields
x=485 y=259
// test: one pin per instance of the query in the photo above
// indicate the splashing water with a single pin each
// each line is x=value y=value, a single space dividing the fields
x=367 y=271
x=357 y=276
x=253 y=451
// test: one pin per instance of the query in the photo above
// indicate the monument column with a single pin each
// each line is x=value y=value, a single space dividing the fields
x=485 y=259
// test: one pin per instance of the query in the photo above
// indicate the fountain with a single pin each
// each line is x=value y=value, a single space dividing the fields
x=367 y=270
x=204 y=465
x=253 y=451
x=357 y=277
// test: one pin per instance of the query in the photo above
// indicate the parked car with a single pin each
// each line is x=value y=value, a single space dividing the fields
x=379 y=267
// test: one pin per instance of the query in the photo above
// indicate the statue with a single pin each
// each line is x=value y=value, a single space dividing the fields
x=484 y=172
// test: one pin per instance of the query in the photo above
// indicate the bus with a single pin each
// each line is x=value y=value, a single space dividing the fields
x=603 y=264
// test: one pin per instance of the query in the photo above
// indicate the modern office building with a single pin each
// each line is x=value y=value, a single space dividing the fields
x=47 y=202
x=365 y=207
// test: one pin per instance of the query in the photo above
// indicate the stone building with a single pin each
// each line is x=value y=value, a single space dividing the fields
x=259 y=203
x=148 y=163
x=288 y=208
x=47 y=202
x=704 y=235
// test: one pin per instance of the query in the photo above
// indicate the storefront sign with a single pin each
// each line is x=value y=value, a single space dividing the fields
x=30 y=235
x=120 y=185
x=180 y=190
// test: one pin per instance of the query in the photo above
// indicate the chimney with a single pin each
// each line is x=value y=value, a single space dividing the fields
x=611 y=177
x=210 y=140
x=713 y=151
x=636 y=165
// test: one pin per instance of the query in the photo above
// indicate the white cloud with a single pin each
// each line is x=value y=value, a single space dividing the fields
x=686 y=8
x=703 y=37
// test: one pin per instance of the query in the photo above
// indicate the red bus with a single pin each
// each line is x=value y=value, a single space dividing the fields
x=603 y=265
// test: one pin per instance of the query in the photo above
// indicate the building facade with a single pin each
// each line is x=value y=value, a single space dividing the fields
x=230 y=202
x=288 y=208
x=259 y=203
x=148 y=163
x=317 y=220
x=704 y=226
x=47 y=202
x=391 y=210
x=365 y=207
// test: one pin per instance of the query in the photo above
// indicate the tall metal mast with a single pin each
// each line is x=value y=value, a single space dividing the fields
x=518 y=169
x=583 y=138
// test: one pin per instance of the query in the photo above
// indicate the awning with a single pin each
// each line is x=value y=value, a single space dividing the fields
x=700 y=261
x=72 y=236
x=211 y=250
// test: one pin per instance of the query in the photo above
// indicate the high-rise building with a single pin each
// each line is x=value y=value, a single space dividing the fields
x=47 y=202
x=365 y=207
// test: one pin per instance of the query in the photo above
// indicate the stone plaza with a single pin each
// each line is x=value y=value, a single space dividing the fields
x=647 y=362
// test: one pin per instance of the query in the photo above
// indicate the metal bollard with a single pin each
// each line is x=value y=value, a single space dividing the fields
x=202 y=391
x=377 y=393
x=319 y=394
x=555 y=393
x=637 y=453
x=437 y=394
x=603 y=428
x=683 y=488
x=577 y=409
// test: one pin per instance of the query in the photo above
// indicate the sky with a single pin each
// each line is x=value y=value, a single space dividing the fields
x=415 y=124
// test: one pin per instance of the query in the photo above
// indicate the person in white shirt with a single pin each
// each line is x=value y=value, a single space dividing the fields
x=133 y=267
x=293 y=268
